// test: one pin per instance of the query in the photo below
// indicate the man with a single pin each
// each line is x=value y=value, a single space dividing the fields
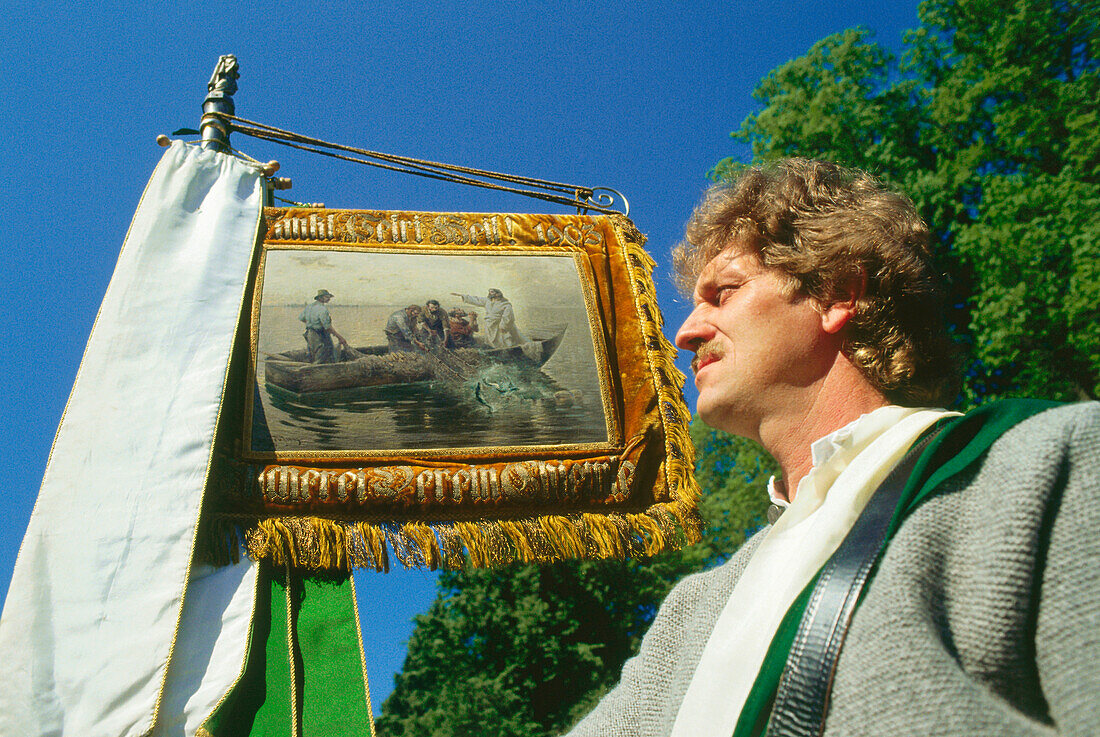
x=815 y=332
x=463 y=327
x=319 y=330
x=401 y=330
x=437 y=323
x=500 y=319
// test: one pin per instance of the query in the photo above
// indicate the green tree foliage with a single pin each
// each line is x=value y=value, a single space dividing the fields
x=989 y=123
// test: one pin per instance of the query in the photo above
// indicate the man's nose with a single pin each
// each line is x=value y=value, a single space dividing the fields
x=693 y=332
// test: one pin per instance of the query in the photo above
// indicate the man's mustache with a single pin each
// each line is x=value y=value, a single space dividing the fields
x=710 y=349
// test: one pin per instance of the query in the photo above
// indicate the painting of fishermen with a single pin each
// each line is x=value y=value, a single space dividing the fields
x=453 y=371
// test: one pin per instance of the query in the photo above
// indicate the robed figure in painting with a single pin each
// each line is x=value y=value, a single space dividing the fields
x=500 y=318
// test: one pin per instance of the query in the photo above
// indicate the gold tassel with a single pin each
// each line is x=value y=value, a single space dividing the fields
x=423 y=538
x=518 y=539
x=563 y=536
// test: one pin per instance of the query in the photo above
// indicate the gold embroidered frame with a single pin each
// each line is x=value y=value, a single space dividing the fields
x=572 y=442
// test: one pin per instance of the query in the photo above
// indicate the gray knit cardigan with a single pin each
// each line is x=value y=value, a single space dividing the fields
x=983 y=618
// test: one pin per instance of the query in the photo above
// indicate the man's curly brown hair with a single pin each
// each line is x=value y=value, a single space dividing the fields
x=827 y=229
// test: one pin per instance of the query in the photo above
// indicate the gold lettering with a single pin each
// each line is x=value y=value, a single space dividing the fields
x=360 y=227
x=456 y=230
x=568 y=235
x=440 y=476
x=476 y=232
x=347 y=478
x=438 y=236
x=389 y=482
x=519 y=480
x=422 y=480
x=462 y=483
x=592 y=237
x=292 y=486
x=306 y=484
x=624 y=477
x=488 y=483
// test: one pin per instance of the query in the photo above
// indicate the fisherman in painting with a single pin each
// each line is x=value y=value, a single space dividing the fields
x=463 y=327
x=319 y=330
x=401 y=330
x=437 y=324
x=500 y=319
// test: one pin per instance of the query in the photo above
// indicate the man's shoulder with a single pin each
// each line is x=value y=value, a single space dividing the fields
x=1024 y=424
x=1065 y=435
x=1042 y=423
x=1024 y=465
x=1074 y=414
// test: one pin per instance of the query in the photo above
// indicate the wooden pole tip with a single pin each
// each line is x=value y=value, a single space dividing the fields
x=271 y=167
x=282 y=182
x=164 y=141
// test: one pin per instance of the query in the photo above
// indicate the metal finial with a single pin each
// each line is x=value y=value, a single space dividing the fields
x=219 y=99
x=225 y=76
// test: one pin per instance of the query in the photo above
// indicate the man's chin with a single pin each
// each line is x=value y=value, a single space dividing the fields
x=723 y=417
x=711 y=415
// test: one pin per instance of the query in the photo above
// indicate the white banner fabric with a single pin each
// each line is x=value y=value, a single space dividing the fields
x=94 y=606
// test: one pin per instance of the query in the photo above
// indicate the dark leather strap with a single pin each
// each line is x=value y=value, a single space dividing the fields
x=802 y=697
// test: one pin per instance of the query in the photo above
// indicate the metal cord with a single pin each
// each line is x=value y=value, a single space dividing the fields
x=583 y=198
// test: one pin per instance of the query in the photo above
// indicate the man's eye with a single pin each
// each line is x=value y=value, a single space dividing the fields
x=723 y=293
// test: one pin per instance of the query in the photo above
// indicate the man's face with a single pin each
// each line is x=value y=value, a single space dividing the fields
x=324 y=298
x=412 y=312
x=756 y=348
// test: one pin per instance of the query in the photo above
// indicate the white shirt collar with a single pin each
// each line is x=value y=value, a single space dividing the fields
x=852 y=437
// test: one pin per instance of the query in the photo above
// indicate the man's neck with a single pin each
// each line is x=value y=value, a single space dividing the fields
x=841 y=398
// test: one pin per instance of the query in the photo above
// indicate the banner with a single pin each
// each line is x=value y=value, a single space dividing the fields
x=96 y=597
x=453 y=387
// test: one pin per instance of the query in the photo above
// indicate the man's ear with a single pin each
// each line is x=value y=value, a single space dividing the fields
x=836 y=315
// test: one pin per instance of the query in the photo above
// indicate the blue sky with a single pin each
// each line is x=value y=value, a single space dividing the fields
x=637 y=96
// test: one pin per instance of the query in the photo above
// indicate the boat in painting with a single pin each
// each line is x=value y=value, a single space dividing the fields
x=377 y=366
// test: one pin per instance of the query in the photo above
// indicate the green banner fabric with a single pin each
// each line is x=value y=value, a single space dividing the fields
x=962 y=442
x=304 y=675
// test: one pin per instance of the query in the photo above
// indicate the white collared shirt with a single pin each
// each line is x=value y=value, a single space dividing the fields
x=848 y=465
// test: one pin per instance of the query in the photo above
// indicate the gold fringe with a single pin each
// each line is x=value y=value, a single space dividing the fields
x=324 y=544
x=679 y=463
